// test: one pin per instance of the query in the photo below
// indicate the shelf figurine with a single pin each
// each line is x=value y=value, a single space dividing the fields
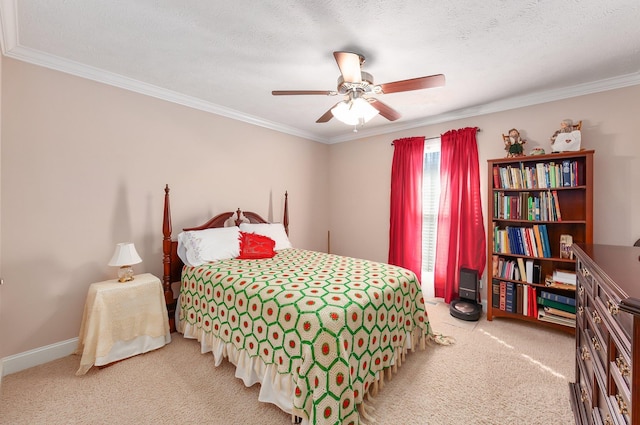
x=537 y=151
x=567 y=138
x=513 y=143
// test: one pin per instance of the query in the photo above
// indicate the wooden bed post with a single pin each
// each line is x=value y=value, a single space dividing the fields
x=285 y=219
x=166 y=260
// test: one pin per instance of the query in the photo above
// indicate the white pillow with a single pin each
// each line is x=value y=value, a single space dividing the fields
x=197 y=247
x=567 y=142
x=273 y=230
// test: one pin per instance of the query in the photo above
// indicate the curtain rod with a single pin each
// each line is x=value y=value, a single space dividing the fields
x=434 y=137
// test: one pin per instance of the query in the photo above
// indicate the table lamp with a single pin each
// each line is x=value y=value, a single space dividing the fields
x=124 y=257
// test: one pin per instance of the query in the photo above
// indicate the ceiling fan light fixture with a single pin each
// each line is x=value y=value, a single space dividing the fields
x=354 y=111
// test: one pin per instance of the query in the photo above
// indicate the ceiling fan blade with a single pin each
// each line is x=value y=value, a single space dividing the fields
x=385 y=110
x=413 y=84
x=349 y=64
x=299 y=92
x=327 y=115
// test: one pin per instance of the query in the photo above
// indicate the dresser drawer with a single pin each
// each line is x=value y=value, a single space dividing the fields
x=581 y=404
x=603 y=411
x=620 y=322
x=596 y=333
x=620 y=368
x=585 y=358
x=585 y=278
x=581 y=294
x=621 y=400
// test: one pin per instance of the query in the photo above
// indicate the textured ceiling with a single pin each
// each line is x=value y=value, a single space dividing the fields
x=227 y=56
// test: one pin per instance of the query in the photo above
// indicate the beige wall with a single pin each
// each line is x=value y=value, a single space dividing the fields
x=1 y=286
x=360 y=170
x=84 y=166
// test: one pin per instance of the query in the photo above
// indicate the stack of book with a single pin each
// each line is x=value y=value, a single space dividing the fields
x=514 y=297
x=562 y=279
x=557 y=308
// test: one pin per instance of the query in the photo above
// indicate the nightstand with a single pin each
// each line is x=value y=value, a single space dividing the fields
x=121 y=320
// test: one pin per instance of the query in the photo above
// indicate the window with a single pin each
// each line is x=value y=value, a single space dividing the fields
x=430 y=204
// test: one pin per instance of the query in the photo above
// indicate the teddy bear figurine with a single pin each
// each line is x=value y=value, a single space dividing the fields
x=514 y=144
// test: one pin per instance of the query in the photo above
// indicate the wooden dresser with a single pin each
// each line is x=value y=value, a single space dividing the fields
x=607 y=386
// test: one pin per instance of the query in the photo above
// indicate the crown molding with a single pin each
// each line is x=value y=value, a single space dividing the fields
x=74 y=68
x=10 y=47
x=502 y=105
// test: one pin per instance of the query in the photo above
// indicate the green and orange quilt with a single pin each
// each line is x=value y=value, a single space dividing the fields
x=330 y=324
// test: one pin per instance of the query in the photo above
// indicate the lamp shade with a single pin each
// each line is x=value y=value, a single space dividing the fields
x=125 y=255
x=355 y=111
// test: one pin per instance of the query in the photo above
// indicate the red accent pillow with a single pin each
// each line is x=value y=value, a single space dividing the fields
x=254 y=246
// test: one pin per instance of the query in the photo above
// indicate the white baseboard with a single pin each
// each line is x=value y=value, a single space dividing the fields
x=37 y=356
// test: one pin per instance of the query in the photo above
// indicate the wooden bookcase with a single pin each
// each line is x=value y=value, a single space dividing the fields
x=525 y=194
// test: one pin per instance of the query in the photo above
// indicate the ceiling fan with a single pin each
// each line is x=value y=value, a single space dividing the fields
x=357 y=86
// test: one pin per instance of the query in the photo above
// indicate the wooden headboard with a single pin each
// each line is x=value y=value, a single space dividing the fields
x=172 y=264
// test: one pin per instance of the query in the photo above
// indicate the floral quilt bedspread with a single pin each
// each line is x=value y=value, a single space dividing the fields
x=331 y=322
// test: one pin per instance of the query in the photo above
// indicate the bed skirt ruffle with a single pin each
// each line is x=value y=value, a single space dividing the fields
x=278 y=388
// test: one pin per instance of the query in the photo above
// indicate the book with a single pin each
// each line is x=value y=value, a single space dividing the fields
x=519 y=296
x=537 y=273
x=566 y=172
x=496 y=177
x=564 y=276
x=556 y=203
x=552 y=318
x=510 y=300
x=495 y=293
x=555 y=304
x=550 y=283
x=557 y=312
x=529 y=271
x=521 y=267
x=546 y=246
x=533 y=311
x=566 y=241
x=503 y=295
x=536 y=230
x=540 y=174
x=557 y=297
x=531 y=237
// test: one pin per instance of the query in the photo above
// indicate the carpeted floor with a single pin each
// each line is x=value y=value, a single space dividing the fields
x=499 y=372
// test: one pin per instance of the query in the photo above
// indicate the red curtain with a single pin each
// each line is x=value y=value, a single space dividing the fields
x=405 y=230
x=461 y=238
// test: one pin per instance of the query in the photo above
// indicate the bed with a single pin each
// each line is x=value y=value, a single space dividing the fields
x=318 y=331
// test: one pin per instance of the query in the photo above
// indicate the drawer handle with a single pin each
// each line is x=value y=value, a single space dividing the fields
x=612 y=307
x=622 y=405
x=623 y=366
x=596 y=317
x=595 y=343
x=580 y=311
x=585 y=354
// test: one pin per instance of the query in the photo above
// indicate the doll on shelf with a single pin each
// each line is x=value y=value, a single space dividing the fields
x=566 y=126
x=567 y=138
x=513 y=143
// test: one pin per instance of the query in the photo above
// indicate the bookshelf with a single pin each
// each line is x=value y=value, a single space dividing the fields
x=534 y=201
